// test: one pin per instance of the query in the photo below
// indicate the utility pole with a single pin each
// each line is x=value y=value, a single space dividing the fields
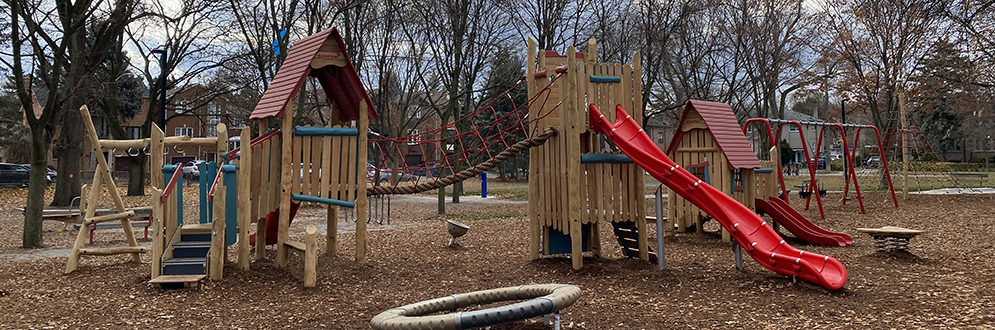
x=905 y=144
x=162 y=86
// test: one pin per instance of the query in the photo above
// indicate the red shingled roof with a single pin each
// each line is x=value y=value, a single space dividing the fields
x=341 y=84
x=725 y=129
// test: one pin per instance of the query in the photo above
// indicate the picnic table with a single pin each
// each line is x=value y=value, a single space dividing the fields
x=891 y=238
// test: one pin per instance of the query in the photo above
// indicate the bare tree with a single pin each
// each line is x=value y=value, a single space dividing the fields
x=191 y=38
x=52 y=37
x=458 y=47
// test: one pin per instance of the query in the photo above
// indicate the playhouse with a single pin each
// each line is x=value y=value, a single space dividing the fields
x=709 y=144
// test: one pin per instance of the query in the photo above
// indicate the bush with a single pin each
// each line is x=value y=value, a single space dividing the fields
x=929 y=158
x=836 y=165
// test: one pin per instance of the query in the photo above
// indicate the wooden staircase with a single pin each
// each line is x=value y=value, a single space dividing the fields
x=187 y=262
x=627 y=235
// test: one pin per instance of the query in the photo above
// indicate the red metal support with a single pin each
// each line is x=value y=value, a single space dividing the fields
x=884 y=160
x=770 y=138
x=849 y=165
x=808 y=161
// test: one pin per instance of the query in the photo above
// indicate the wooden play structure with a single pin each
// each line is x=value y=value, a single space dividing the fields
x=709 y=144
x=164 y=232
x=575 y=180
x=302 y=164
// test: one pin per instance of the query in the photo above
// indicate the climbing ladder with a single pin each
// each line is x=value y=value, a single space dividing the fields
x=101 y=177
x=628 y=235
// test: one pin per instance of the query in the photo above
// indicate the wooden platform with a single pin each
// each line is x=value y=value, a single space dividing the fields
x=188 y=281
x=891 y=231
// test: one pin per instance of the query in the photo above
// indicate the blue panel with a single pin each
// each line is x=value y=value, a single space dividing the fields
x=208 y=171
x=605 y=158
x=326 y=131
x=764 y=170
x=315 y=199
x=167 y=171
x=559 y=243
x=231 y=203
x=606 y=79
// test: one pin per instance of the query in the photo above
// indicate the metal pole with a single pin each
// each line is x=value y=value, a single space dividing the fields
x=483 y=184
x=162 y=88
x=846 y=174
x=661 y=263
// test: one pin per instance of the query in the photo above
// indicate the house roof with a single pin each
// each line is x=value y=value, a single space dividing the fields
x=721 y=123
x=792 y=115
x=322 y=56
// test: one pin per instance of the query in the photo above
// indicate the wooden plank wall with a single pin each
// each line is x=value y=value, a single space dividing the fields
x=610 y=192
x=325 y=166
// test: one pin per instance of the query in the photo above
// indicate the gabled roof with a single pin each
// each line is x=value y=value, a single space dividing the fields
x=722 y=125
x=323 y=56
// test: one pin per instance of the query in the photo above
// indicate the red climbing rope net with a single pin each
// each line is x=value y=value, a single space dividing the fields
x=470 y=140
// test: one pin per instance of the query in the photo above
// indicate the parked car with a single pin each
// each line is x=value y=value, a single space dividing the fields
x=385 y=175
x=13 y=175
x=872 y=161
x=192 y=168
x=50 y=174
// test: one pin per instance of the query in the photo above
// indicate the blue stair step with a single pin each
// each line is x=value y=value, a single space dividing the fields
x=184 y=266
x=195 y=237
x=191 y=249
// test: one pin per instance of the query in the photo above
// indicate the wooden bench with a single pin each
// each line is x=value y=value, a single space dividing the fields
x=979 y=177
x=71 y=215
x=891 y=238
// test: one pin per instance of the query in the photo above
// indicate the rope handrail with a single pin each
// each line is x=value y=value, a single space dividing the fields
x=471 y=172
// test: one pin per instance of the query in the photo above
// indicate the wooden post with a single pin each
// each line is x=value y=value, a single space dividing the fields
x=533 y=158
x=361 y=211
x=905 y=145
x=218 y=250
x=283 y=232
x=635 y=94
x=310 y=257
x=260 y=199
x=570 y=115
x=244 y=202
x=331 y=230
x=156 y=146
x=157 y=230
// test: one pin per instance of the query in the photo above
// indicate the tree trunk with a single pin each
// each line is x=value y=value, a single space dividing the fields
x=136 y=174
x=442 y=200
x=69 y=149
x=36 y=189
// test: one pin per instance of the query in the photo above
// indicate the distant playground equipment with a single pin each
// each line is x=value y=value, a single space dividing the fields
x=455 y=229
x=750 y=231
x=850 y=175
x=545 y=299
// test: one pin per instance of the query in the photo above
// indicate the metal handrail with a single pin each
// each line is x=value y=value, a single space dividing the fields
x=172 y=182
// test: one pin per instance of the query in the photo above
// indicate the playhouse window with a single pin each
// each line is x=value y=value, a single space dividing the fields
x=737 y=182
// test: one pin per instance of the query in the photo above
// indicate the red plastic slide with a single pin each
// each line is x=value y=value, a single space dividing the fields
x=749 y=229
x=799 y=225
x=273 y=224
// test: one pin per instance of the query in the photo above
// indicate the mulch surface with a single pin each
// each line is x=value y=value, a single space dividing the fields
x=945 y=282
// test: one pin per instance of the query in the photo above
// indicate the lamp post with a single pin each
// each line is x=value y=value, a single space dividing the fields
x=846 y=174
x=162 y=85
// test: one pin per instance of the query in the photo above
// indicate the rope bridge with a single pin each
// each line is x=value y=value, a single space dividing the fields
x=470 y=145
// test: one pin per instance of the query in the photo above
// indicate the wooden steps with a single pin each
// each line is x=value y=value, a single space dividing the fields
x=628 y=235
x=188 y=281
